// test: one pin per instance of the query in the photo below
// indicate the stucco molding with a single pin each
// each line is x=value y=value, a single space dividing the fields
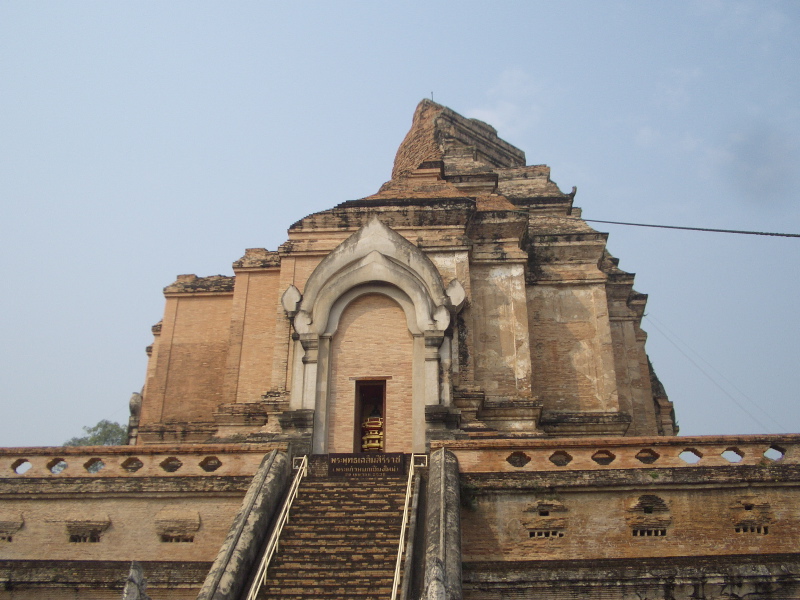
x=374 y=253
x=374 y=260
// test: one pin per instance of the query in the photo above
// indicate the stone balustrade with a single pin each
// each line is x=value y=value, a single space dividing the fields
x=519 y=455
x=474 y=455
x=133 y=461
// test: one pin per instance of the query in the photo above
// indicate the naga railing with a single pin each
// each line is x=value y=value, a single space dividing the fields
x=417 y=460
x=299 y=464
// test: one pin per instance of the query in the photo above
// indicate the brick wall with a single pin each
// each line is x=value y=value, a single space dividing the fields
x=598 y=524
x=571 y=349
x=131 y=534
x=193 y=346
x=197 y=358
x=633 y=378
x=372 y=341
x=258 y=341
x=499 y=318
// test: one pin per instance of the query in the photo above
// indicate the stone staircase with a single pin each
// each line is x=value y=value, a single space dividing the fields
x=340 y=541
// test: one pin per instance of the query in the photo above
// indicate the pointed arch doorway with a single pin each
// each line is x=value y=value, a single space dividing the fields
x=374 y=260
x=371 y=363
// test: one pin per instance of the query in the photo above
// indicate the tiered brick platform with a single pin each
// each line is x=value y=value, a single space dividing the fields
x=340 y=541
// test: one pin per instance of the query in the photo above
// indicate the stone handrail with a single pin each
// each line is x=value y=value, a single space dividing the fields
x=301 y=468
x=545 y=454
x=417 y=461
x=132 y=461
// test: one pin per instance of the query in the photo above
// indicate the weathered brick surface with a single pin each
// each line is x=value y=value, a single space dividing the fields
x=571 y=349
x=96 y=580
x=372 y=341
x=522 y=506
x=131 y=534
x=258 y=338
x=502 y=356
x=542 y=294
x=633 y=378
x=303 y=267
x=188 y=380
x=721 y=577
x=438 y=132
x=596 y=524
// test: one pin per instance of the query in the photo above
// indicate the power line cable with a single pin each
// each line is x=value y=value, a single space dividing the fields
x=752 y=403
x=711 y=379
x=707 y=229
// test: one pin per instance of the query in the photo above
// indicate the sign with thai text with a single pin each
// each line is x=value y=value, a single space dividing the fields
x=366 y=464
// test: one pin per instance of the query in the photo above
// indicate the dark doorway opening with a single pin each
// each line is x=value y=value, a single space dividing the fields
x=370 y=424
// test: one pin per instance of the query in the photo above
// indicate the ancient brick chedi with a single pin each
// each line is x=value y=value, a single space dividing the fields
x=468 y=287
x=465 y=314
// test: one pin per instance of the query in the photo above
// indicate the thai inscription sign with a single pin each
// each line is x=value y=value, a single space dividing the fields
x=367 y=464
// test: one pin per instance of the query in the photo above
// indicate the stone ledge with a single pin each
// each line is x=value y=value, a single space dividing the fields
x=109 y=573
x=786 y=566
x=786 y=440
x=192 y=284
x=100 y=462
x=575 y=424
x=258 y=258
x=643 y=478
x=33 y=488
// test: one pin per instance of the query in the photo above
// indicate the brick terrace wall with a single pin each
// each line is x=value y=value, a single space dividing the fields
x=133 y=495
x=596 y=527
x=372 y=341
x=132 y=533
x=592 y=489
x=97 y=580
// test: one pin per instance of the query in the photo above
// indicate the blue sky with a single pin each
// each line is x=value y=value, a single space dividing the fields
x=141 y=140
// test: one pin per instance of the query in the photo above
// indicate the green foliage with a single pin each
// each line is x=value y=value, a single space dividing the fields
x=105 y=433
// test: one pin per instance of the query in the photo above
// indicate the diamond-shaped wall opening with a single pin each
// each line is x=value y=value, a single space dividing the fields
x=132 y=464
x=691 y=456
x=518 y=459
x=647 y=456
x=603 y=457
x=210 y=464
x=774 y=452
x=171 y=464
x=560 y=458
x=733 y=455
x=56 y=466
x=21 y=465
x=94 y=465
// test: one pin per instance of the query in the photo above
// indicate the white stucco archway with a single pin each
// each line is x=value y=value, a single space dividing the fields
x=375 y=259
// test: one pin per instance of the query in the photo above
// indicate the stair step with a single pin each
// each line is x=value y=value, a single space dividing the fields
x=356 y=561
x=340 y=531
x=340 y=541
x=313 y=586
x=357 y=542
